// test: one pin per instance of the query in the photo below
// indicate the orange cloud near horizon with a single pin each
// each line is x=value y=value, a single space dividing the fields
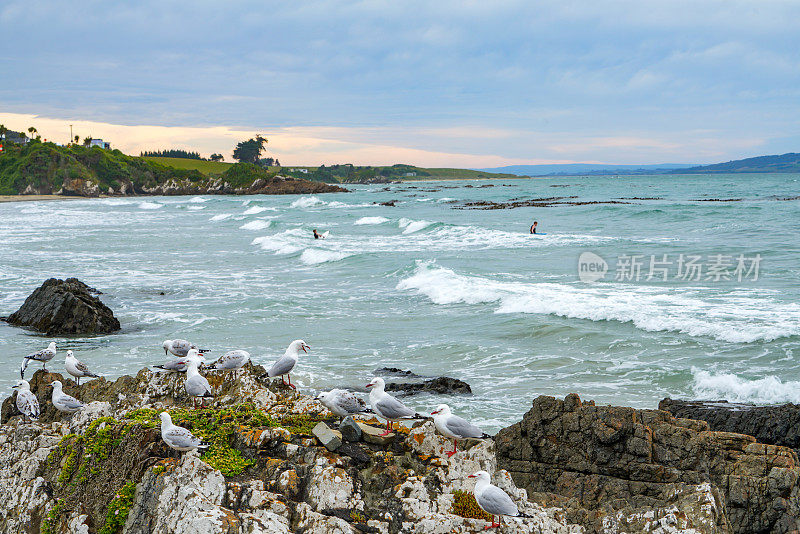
x=301 y=146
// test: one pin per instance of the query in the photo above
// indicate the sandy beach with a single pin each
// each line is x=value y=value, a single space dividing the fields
x=27 y=198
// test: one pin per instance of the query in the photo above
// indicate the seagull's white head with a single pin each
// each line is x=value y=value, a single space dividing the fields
x=482 y=476
x=167 y=344
x=52 y=345
x=442 y=409
x=296 y=346
x=69 y=355
x=377 y=383
x=165 y=418
x=323 y=396
x=22 y=385
x=56 y=384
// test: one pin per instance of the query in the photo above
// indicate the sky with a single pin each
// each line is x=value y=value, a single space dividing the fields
x=459 y=84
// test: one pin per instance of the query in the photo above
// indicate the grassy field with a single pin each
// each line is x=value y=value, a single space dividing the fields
x=206 y=167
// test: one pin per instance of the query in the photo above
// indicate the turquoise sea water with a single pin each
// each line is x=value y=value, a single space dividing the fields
x=438 y=290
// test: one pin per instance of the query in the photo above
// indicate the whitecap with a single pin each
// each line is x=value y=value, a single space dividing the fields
x=410 y=226
x=221 y=217
x=282 y=243
x=198 y=200
x=725 y=386
x=371 y=220
x=150 y=205
x=315 y=256
x=196 y=208
x=258 y=224
x=254 y=210
x=306 y=202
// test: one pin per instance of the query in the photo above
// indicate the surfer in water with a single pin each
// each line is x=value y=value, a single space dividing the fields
x=533 y=228
x=316 y=234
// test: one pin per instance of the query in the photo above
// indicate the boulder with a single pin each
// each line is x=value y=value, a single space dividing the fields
x=443 y=385
x=349 y=429
x=65 y=307
x=776 y=425
x=609 y=465
x=331 y=439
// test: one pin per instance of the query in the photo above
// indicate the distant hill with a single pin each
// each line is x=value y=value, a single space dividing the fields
x=784 y=163
x=571 y=169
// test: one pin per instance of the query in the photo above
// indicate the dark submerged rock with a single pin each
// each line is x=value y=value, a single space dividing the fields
x=65 y=307
x=443 y=385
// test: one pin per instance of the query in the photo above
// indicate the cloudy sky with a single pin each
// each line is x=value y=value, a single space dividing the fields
x=469 y=84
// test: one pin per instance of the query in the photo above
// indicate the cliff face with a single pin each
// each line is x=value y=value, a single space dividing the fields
x=107 y=470
x=618 y=468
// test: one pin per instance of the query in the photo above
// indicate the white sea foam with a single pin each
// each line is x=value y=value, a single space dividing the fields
x=371 y=220
x=116 y=202
x=150 y=205
x=221 y=217
x=446 y=199
x=410 y=226
x=315 y=256
x=725 y=386
x=196 y=208
x=258 y=224
x=198 y=200
x=727 y=317
x=287 y=242
x=306 y=202
x=254 y=210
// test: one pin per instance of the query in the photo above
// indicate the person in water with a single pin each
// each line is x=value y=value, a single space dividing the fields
x=533 y=227
x=316 y=234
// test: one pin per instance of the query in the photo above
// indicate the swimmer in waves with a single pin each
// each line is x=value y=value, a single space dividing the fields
x=323 y=235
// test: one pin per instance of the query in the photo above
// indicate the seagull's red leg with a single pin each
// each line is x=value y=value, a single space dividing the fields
x=388 y=429
x=455 y=449
x=290 y=381
x=489 y=526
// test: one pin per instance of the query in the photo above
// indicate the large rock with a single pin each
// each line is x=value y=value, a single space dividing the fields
x=609 y=465
x=65 y=307
x=776 y=425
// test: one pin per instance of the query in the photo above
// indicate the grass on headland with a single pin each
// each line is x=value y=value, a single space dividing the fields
x=206 y=167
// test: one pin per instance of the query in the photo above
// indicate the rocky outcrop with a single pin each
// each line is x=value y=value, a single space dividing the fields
x=624 y=470
x=65 y=307
x=106 y=467
x=776 y=425
x=441 y=385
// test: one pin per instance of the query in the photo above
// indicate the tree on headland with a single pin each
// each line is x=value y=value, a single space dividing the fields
x=32 y=131
x=77 y=139
x=87 y=141
x=3 y=130
x=216 y=157
x=250 y=151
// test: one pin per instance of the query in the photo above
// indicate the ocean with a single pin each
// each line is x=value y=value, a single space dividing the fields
x=687 y=285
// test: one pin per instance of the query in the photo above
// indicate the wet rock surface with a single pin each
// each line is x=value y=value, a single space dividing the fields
x=617 y=469
x=776 y=425
x=442 y=385
x=65 y=307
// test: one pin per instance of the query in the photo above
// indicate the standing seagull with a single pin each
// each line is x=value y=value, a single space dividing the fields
x=179 y=347
x=233 y=359
x=493 y=500
x=27 y=403
x=63 y=402
x=77 y=368
x=387 y=406
x=179 y=365
x=177 y=437
x=343 y=403
x=452 y=426
x=196 y=384
x=43 y=356
x=286 y=363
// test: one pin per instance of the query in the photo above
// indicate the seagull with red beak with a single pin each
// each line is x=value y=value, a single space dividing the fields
x=493 y=500
x=454 y=427
x=387 y=407
x=286 y=363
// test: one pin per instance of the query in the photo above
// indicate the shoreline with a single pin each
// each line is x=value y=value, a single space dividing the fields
x=31 y=198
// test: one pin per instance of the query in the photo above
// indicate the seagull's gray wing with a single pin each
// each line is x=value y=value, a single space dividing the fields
x=281 y=367
x=28 y=404
x=70 y=403
x=495 y=501
x=41 y=356
x=462 y=428
x=232 y=359
x=392 y=408
x=198 y=386
x=350 y=403
x=180 y=438
x=178 y=364
x=180 y=347
x=83 y=369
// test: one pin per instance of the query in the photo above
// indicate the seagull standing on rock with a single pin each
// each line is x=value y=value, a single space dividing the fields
x=179 y=365
x=43 y=356
x=177 y=437
x=27 y=403
x=388 y=407
x=196 y=384
x=454 y=427
x=493 y=500
x=343 y=403
x=63 y=402
x=233 y=359
x=285 y=364
x=179 y=347
x=77 y=368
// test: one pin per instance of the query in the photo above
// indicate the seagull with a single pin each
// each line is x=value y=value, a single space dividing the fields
x=493 y=500
x=196 y=384
x=62 y=401
x=233 y=359
x=27 y=403
x=43 y=356
x=387 y=406
x=343 y=403
x=77 y=368
x=452 y=426
x=177 y=437
x=285 y=364
x=179 y=365
x=179 y=347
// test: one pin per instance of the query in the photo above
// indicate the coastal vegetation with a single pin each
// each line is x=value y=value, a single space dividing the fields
x=171 y=153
